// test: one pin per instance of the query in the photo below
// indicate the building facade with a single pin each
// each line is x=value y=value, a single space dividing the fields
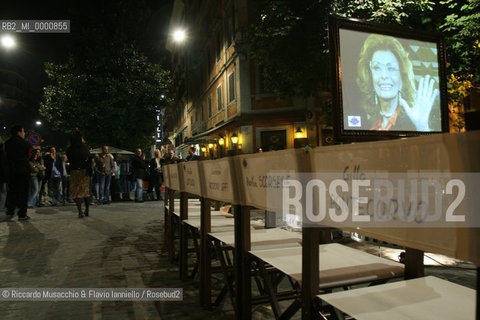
x=220 y=91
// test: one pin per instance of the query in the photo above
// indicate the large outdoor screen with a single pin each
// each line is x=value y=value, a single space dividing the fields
x=390 y=81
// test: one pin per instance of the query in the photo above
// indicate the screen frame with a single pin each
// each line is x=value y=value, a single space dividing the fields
x=335 y=24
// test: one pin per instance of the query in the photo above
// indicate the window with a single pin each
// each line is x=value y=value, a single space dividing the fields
x=219 y=98
x=231 y=87
x=209 y=106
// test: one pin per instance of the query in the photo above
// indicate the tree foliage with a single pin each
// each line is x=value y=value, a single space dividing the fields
x=462 y=29
x=288 y=41
x=108 y=86
x=110 y=96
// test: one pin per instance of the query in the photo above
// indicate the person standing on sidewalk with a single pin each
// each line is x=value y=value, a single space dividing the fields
x=115 y=191
x=79 y=157
x=124 y=183
x=35 y=167
x=66 y=180
x=42 y=194
x=139 y=169
x=18 y=152
x=169 y=158
x=155 y=175
x=54 y=174
x=191 y=154
x=104 y=167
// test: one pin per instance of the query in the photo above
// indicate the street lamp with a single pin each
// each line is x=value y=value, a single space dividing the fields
x=179 y=35
x=38 y=123
x=234 y=138
x=210 y=151
x=8 y=41
x=298 y=133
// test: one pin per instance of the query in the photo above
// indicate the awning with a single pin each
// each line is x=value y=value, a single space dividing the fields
x=111 y=150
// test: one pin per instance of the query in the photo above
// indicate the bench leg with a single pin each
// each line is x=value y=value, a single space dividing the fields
x=243 y=292
x=227 y=277
x=413 y=264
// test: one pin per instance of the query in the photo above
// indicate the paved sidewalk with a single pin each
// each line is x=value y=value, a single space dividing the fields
x=119 y=245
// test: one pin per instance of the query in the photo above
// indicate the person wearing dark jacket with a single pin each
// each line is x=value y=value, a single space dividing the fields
x=104 y=167
x=155 y=175
x=191 y=154
x=18 y=152
x=54 y=174
x=139 y=170
x=80 y=169
x=169 y=158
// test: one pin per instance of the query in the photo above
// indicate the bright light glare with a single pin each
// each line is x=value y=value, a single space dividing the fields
x=38 y=123
x=179 y=35
x=8 y=41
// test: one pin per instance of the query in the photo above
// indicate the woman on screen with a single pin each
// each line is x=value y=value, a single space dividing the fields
x=385 y=77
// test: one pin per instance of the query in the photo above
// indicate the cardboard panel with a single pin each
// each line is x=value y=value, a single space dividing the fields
x=448 y=153
x=258 y=172
x=219 y=180
x=427 y=153
x=174 y=176
x=190 y=176
x=451 y=152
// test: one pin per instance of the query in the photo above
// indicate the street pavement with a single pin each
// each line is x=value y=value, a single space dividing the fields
x=118 y=246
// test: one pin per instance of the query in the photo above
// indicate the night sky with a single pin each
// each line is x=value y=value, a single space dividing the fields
x=33 y=49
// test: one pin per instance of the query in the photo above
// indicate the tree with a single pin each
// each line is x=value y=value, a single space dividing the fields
x=110 y=95
x=462 y=29
x=287 y=41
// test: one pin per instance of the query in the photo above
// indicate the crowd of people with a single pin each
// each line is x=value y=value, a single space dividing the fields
x=30 y=179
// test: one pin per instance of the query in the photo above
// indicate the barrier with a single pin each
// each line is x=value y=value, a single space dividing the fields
x=242 y=180
x=219 y=180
